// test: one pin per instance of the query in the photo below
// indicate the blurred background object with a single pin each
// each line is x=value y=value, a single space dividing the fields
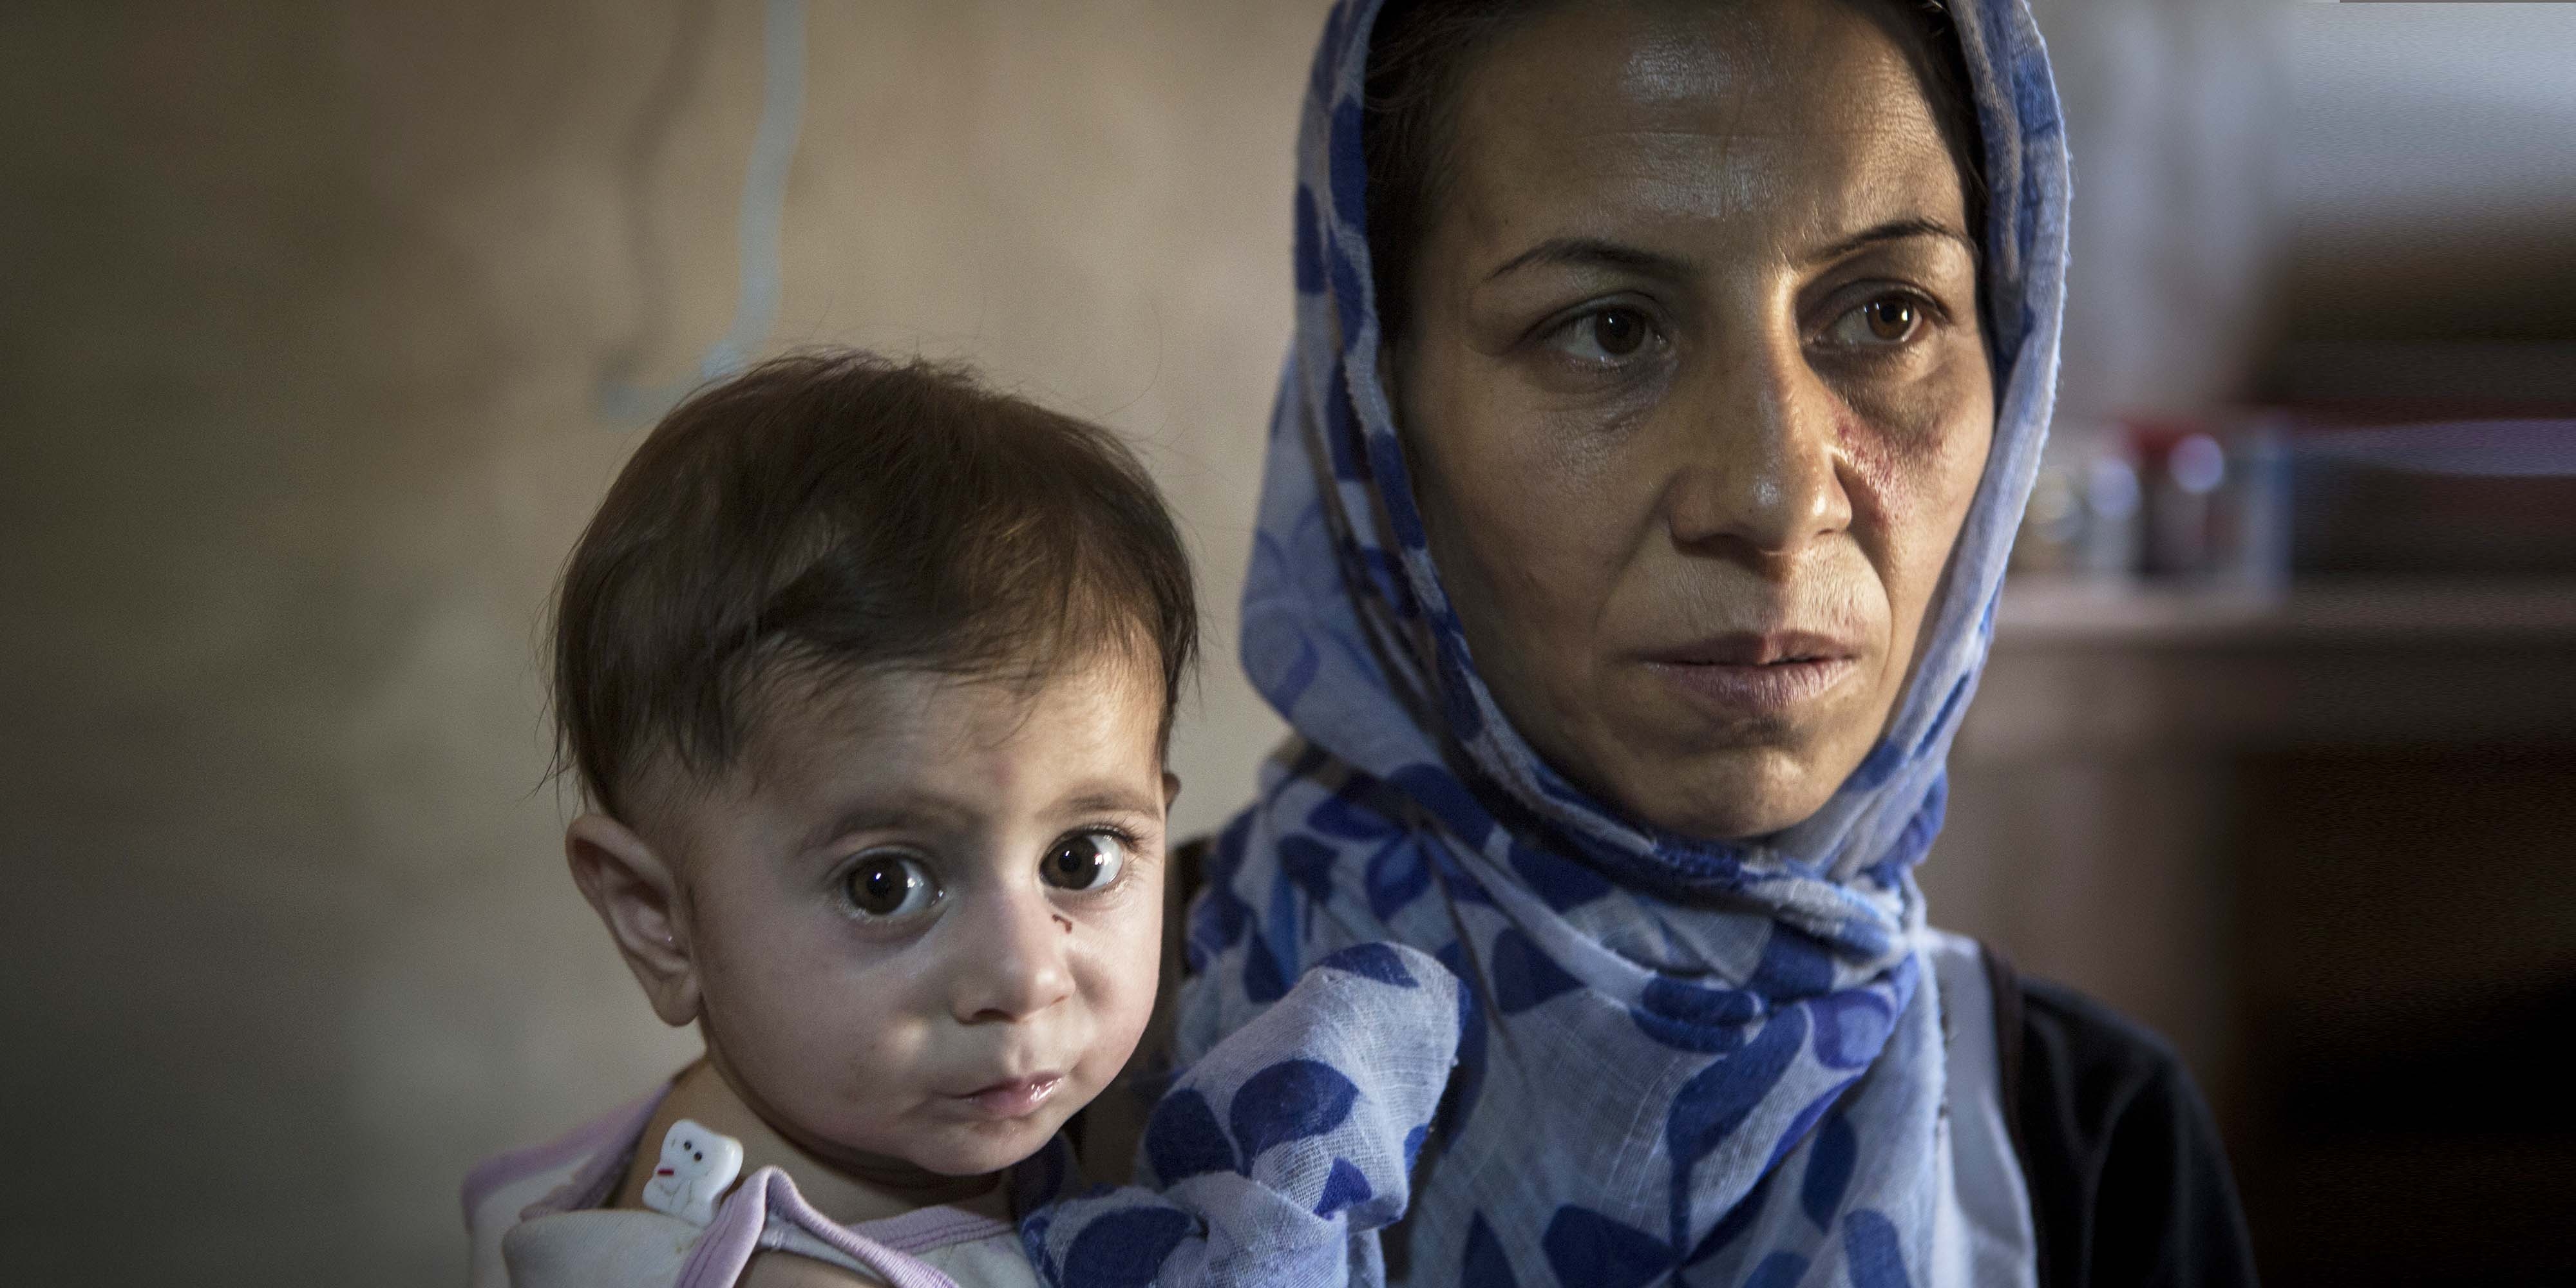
x=327 y=321
x=2279 y=740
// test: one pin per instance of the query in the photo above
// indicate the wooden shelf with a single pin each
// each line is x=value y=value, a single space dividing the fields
x=2044 y=611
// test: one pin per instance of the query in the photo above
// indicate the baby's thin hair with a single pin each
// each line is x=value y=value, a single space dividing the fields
x=833 y=513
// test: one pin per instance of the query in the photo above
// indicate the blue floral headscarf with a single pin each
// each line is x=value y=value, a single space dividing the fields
x=1721 y=1059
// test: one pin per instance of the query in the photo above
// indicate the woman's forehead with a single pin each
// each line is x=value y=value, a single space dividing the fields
x=1789 y=114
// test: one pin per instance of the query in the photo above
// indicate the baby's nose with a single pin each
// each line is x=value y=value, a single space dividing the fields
x=1010 y=962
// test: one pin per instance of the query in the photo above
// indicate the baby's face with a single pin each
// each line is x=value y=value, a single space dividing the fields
x=926 y=915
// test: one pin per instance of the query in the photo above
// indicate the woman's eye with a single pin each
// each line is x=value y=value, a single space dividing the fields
x=1085 y=861
x=890 y=885
x=1887 y=320
x=1604 y=337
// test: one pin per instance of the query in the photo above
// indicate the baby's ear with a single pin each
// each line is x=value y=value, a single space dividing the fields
x=637 y=893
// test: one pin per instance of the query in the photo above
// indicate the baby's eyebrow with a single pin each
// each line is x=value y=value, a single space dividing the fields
x=1108 y=799
x=922 y=811
x=911 y=811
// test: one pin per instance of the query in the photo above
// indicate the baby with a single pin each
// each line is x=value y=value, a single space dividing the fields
x=867 y=675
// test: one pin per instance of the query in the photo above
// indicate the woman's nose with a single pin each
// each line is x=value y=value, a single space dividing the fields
x=1009 y=960
x=1754 y=465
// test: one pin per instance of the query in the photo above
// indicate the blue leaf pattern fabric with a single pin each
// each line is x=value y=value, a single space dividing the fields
x=1183 y=1140
x=1484 y=1265
x=1126 y=1248
x=1290 y=1100
x=1344 y=1186
x=1585 y=1247
x=1829 y=1171
x=1651 y=1027
x=1276 y=1156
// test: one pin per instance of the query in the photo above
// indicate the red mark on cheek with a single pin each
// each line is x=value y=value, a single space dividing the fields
x=1866 y=448
x=1062 y=920
x=1892 y=465
x=1873 y=468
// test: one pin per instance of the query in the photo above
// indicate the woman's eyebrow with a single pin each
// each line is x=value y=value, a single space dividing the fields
x=1892 y=230
x=1597 y=253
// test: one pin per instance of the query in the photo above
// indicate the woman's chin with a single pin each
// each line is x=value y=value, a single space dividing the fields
x=1728 y=794
x=1682 y=768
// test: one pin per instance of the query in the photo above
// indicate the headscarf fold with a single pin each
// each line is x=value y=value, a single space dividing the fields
x=1717 y=1059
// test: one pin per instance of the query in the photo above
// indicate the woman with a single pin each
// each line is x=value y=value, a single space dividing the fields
x=1668 y=381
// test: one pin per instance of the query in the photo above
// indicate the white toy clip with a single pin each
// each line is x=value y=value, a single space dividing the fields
x=698 y=1166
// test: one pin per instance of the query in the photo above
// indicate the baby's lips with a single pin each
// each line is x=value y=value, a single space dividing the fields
x=1016 y=1098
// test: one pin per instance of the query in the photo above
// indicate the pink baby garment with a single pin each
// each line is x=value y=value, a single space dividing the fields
x=538 y=1221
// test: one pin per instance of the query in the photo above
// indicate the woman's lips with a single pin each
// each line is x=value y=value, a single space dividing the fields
x=1766 y=689
x=1016 y=1098
x=1757 y=675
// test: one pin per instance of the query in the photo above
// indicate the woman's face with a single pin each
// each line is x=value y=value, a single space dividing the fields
x=1696 y=394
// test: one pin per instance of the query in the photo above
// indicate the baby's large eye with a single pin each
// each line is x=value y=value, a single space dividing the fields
x=1083 y=861
x=1884 y=322
x=1604 y=337
x=890 y=885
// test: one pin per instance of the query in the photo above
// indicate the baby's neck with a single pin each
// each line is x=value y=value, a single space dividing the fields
x=839 y=1191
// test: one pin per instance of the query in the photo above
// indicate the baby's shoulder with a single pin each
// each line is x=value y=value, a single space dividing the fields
x=617 y=1247
x=594 y=1248
x=569 y=1174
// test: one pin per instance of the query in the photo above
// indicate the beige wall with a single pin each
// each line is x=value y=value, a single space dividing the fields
x=303 y=317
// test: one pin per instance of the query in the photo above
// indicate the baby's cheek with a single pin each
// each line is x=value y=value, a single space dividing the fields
x=1118 y=981
x=836 y=1036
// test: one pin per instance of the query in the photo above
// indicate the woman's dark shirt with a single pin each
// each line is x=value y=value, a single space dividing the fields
x=2128 y=1181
